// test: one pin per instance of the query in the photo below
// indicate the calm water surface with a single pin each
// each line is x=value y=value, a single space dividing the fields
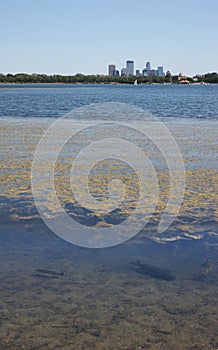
x=162 y=100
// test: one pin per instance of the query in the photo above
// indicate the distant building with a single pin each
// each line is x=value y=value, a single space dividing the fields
x=148 y=66
x=111 y=69
x=147 y=70
x=129 y=70
x=160 y=72
x=182 y=79
x=130 y=67
x=169 y=76
x=116 y=73
x=137 y=73
x=124 y=72
x=152 y=73
x=144 y=73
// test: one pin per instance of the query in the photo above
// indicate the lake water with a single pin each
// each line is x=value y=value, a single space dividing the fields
x=56 y=295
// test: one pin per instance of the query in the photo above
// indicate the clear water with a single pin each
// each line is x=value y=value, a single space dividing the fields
x=99 y=301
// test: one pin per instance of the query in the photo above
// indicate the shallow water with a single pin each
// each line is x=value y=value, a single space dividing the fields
x=99 y=301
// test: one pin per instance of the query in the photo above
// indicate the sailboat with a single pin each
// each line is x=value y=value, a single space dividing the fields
x=136 y=82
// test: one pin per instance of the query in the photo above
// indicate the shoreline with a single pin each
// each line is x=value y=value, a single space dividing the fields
x=112 y=83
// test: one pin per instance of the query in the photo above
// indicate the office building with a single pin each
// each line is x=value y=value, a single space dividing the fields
x=130 y=67
x=137 y=73
x=124 y=72
x=148 y=66
x=129 y=70
x=144 y=72
x=111 y=69
x=160 y=72
x=152 y=73
x=116 y=73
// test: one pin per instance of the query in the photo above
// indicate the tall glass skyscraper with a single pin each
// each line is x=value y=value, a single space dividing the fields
x=130 y=67
x=148 y=66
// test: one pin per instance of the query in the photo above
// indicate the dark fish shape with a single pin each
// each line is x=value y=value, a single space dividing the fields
x=50 y=272
x=44 y=276
x=153 y=271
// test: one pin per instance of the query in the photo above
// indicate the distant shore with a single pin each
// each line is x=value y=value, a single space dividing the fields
x=148 y=83
x=23 y=78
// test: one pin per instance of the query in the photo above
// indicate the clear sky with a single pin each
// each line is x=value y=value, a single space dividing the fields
x=71 y=36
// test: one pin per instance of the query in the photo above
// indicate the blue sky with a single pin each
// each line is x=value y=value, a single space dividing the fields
x=70 y=36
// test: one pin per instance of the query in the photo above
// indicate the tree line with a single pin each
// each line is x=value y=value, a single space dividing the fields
x=23 y=78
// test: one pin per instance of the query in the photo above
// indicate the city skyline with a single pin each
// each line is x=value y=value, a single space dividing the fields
x=129 y=70
x=70 y=37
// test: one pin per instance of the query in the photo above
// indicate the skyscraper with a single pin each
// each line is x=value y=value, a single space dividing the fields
x=144 y=72
x=148 y=66
x=130 y=67
x=160 y=72
x=111 y=69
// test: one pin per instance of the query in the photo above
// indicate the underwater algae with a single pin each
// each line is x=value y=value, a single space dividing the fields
x=97 y=301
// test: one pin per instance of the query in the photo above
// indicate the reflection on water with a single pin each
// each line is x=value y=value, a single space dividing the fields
x=55 y=295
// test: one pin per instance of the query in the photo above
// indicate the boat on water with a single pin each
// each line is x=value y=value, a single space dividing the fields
x=136 y=82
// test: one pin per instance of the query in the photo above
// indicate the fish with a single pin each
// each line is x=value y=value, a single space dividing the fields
x=46 y=272
x=152 y=271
